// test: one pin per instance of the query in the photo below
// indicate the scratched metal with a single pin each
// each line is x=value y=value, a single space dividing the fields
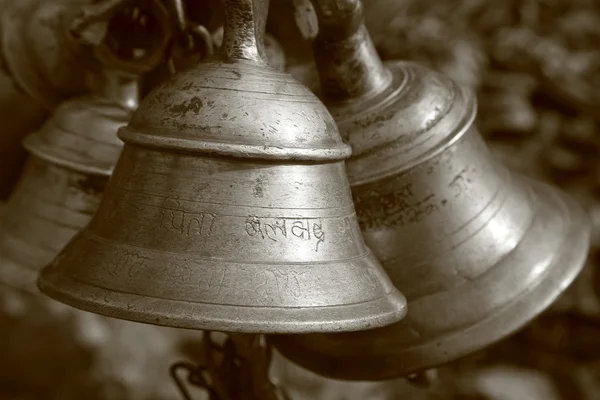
x=71 y=159
x=229 y=208
x=477 y=250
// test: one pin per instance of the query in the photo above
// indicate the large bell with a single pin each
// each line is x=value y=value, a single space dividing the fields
x=71 y=159
x=229 y=208
x=478 y=250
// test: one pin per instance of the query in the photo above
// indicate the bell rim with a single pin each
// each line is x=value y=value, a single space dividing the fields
x=33 y=146
x=512 y=316
x=359 y=316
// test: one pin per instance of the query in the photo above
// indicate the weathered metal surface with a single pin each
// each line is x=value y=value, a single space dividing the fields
x=479 y=251
x=229 y=208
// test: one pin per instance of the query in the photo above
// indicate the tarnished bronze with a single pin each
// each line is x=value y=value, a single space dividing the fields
x=477 y=250
x=229 y=208
x=71 y=159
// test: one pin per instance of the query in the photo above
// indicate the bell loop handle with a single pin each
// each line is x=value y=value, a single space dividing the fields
x=183 y=29
x=178 y=9
x=348 y=64
x=198 y=38
x=244 y=30
x=91 y=14
x=200 y=32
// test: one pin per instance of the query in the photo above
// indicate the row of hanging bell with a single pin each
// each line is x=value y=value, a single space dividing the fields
x=229 y=208
x=32 y=41
x=478 y=251
x=74 y=153
x=71 y=159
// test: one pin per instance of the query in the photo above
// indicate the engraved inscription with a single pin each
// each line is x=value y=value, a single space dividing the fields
x=271 y=286
x=282 y=228
x=396 y=208
x=403 y=206
x=287 y=282
x=180 y=271
x=127 y=260
x=217 y=279
x=256 y=289
x=370 y=280
x=253 y=286
x=347 y=229
x=173 y=218
x=460 y=184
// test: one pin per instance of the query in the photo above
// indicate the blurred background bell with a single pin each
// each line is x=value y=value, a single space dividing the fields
x=229 y=208
x=71 y=159
x=479 y=251
x=40 y=68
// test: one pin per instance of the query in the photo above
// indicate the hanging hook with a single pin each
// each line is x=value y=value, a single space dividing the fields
x=195 y=378
x=190 y=37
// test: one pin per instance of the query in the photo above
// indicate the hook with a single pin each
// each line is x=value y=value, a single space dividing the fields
x=195 y=378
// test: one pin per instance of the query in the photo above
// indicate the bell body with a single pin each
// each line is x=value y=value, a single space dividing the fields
x=21 y=116
x=478 y=250
x=70 y=162
x=37 y=52
x=229 y=210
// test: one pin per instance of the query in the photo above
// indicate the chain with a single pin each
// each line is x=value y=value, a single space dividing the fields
x=138 y=35
x=237 y=370
x=190 y=42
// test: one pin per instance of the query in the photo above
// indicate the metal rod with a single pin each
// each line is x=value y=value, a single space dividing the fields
x=346 y=58
x=244 y=30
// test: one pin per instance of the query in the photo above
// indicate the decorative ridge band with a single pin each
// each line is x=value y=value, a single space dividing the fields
x=253 y=151
x=465 y=123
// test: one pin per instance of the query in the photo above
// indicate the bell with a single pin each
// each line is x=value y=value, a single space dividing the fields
x=71 y=159
x=229 y=208
x=38 y=52
x=478 y=251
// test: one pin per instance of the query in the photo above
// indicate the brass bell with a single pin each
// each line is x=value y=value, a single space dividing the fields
x=478 y=250
x=229 y=208
x=71 y=159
